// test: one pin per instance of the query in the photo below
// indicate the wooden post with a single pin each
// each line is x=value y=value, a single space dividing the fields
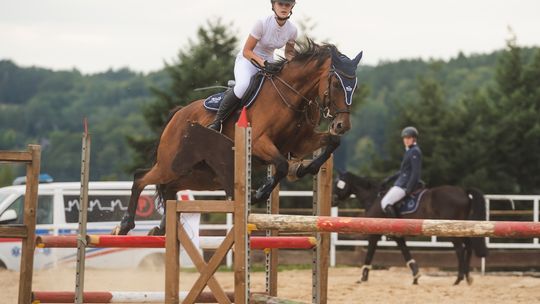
x=30 y=205
x=242 y=195
x=324 y=204
x=172 y=255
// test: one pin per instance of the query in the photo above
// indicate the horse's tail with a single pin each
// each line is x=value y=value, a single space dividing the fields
x=160 y=195
x=478 y=212
x=154 y=149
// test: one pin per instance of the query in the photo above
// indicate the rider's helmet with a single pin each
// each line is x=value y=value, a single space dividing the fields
x=292 y=2
x=284 y=1
x=409 y=132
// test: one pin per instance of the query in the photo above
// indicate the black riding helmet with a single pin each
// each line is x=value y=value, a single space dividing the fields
x=409 y=132
x=293 y=2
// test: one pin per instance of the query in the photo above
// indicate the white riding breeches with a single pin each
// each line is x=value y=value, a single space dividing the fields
x=243 y=71
x=392 y=196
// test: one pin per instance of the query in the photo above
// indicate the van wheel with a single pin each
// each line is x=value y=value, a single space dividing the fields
x=155 y=261
x=2 y=265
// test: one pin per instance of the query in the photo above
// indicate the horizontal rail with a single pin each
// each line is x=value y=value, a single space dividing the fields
x=116 y=297
x=13 y=231
x=15 y=156
x=131 y=241
x=407 y=227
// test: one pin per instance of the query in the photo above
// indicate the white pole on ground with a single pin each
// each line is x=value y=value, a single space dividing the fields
x=83 y=209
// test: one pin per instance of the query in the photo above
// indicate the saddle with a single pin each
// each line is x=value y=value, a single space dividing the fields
x=255 y=84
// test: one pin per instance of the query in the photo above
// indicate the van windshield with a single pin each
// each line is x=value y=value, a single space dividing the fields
x=4 y=193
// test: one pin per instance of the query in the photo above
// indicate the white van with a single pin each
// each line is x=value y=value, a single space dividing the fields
x=58 y=214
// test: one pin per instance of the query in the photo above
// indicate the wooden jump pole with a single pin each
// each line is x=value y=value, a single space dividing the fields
x=26 y=231
x=405 y=227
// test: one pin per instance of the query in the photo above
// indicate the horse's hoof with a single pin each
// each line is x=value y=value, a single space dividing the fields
x=361 y=281
x=260 y=196
x=458 y=280
x=116 y=230
x=415 y=281
x=292 y=175
x=156 y=231
x=469 y=280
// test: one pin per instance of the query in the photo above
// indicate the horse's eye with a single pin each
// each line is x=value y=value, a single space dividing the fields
x=341 y=184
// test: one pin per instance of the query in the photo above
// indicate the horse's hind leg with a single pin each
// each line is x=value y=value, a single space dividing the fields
x=168 y=193
x=460 y=253
x=411 y=263
x=372 y=247
x=128 y=220
x=269 y=153
x=467 y=262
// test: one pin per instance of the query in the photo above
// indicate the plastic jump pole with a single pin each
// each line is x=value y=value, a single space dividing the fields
x=135 y=241
x=116 y=297
x=405 y=227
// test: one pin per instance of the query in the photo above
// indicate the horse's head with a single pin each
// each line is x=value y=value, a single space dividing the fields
x=348 y=183
x=336 y=91
x=342 y=187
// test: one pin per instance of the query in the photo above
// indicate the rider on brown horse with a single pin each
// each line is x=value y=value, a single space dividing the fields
x=408 y=176
x=266 y=36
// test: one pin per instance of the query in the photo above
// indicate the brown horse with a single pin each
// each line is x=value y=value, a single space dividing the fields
x=317 y=83
x=444 y=202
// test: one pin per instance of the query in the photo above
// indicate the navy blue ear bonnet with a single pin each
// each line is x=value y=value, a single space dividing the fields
x=345 y=70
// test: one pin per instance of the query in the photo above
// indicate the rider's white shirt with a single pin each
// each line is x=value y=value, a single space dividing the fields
x=271 y=36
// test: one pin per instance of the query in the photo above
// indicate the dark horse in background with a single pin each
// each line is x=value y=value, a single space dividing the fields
x=317 y=83
x=442 y=203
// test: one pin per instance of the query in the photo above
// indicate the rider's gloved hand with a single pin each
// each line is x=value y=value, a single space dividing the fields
x=271 y=68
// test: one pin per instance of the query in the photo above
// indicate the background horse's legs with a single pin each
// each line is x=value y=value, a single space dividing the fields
x=468 y=254
x=128 y=221
x=408 y=258
x=460 y=253
x=372 y=247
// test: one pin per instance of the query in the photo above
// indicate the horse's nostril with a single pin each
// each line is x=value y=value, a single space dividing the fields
x=339 y=126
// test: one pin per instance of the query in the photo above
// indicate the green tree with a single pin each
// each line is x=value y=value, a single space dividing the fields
x=205 y=62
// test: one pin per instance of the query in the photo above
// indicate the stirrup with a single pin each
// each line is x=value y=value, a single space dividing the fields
x=390 y=211
x=216 y=126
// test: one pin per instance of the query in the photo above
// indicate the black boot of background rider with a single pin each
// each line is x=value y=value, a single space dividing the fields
x=390 y=211
x=227 y=106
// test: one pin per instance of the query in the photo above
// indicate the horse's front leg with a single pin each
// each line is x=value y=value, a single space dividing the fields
x=372 y=247
x=128 y=220
x=269 y=153
x=328 y=142
x=411 y=263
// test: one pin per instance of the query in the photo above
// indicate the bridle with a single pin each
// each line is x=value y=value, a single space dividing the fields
x=324 y=106
x=327 y=99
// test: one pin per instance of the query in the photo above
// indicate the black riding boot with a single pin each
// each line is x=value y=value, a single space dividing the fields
x=227 y=106
x=390 y=211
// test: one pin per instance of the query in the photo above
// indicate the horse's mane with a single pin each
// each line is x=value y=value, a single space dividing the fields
x=366 y=182
x=308 y=50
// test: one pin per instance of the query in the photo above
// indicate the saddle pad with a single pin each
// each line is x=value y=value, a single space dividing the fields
x=410 y=203
x=212 y=103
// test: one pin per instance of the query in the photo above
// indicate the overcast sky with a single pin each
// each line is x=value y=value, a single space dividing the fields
x=94 y=35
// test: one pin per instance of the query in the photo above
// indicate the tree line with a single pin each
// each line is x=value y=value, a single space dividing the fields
x=477 y=114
